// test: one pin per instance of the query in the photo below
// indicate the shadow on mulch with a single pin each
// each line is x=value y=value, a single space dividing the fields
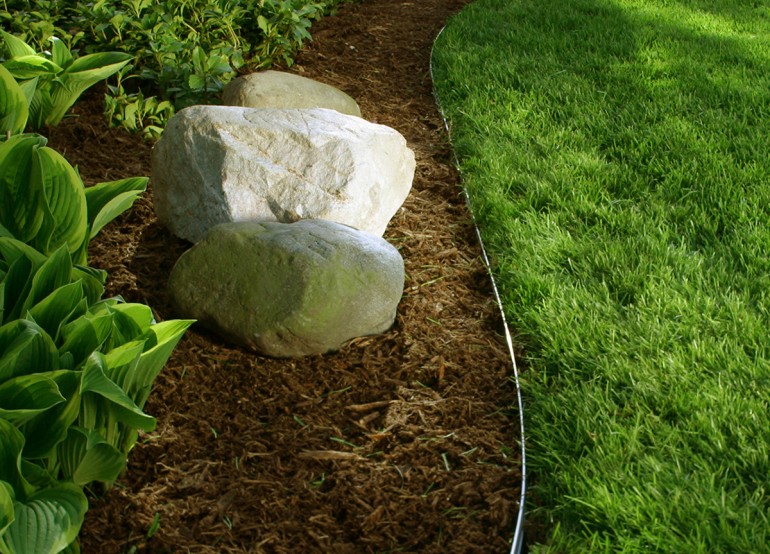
x=401 y=442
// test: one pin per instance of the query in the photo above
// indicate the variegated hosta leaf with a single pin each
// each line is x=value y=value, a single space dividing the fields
x=79 y=76
x=14 y=107
x=129 y=322
x=31 y=66
x=166 y=335
x=25 y=348
x=65 y=213
x=60 y=54
x=6 y=506
x=55 y=272
x=12 y=249
x=118 y=407
x=106 y=201
x=62 y=306
x=47 y=521
x=86 y=457
x=45 y=431
x=85 y=335
x=17 y=282
x=19 y=196
x=25 y=397
x=15 y=47
x=11 y=445
x=138 y=382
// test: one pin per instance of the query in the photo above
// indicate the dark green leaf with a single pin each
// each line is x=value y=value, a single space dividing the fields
x=25 y=348
x=45 y=431
x=25 y=397
x=65 y=220
x=121 y=407
x=14 y=107
x=48 y=521
x=106 y=201
x=20 y=199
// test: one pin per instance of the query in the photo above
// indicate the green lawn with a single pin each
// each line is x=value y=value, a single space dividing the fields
x=617 y=156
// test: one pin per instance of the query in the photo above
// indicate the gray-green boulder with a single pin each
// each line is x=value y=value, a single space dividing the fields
x=289 y=289
x=276 y=89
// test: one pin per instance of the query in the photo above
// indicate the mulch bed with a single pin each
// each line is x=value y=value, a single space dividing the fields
x=401 y=442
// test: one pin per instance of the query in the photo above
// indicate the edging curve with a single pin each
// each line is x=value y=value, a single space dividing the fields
x=518 y=537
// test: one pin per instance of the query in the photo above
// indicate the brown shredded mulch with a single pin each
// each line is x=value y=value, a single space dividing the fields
x=401 y=442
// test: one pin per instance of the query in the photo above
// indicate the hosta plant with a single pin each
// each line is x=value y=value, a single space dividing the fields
x=53 y=82
x=43 y=201
x=75 y=369
x=74 y=376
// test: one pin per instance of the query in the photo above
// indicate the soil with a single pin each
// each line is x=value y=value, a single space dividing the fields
x=405 y=441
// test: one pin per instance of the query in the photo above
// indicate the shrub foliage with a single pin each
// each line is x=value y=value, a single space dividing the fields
x=182 y=51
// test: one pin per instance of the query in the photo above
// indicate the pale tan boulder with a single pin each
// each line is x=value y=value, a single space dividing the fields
x=216 y=164
x=276 y=89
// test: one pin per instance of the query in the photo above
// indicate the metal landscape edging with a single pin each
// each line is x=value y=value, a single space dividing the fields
x=518 y=537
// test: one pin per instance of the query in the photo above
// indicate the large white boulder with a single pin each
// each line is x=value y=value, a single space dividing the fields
x=216 y=164
x=276 y=89
x=289 y=290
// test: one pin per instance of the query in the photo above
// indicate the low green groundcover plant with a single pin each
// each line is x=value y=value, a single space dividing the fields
x=615 y=152
x=52 y=83
x=182 y=51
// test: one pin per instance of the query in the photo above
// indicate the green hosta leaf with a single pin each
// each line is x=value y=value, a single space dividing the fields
x=25 y=348
x=65 y=220
x=14 y=107
x=45 y=431
x=47 y=522
x=93 y=282
x=11 y=445
x=16 y=285
x=122 y=365
x=98 y=66
x=28 y=88
x=85 y=335
x=12 y=249
x=20 y=198
x=16 y=47
x=60 y=307
x=60 y=54
x=55 y=272
x=31 y=66
x=25 y=397
x=85 y=457
x=106 y=201
x=166 y=335
x=6 y=506
x=80 y=75
x=120 y=406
